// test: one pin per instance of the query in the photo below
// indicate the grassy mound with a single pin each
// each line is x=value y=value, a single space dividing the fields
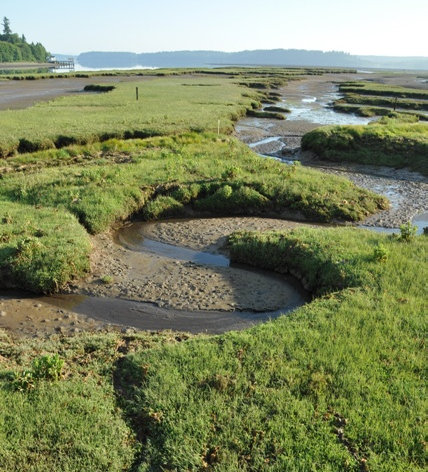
x=40 y=249
x=393 y=144
x=277 y=109
x=265 y=114
x=99 y=88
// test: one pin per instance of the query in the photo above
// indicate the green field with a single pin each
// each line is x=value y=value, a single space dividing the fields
x=338 y=385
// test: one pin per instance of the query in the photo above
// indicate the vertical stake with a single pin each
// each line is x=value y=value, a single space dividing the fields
x=136 y=93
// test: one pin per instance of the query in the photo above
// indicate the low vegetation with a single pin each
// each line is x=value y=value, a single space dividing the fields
x=277 y=109
x=265 y=114
x=378 y=89
x=164 y=107
x=369 y=111
x=60 y=409
x=99 y=88
x=388 y=143
x=158 y=177
x=374 y=99
x=277 y=73
x=40 y=248
x=384 y=101
x=337 y=385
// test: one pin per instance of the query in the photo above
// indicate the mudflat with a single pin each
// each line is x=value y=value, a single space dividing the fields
x=19 y=94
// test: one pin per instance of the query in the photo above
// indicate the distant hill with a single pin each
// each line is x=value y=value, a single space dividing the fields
x=274 y=57
x=15 y=48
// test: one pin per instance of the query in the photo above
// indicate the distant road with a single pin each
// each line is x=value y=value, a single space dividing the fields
x=24 y=65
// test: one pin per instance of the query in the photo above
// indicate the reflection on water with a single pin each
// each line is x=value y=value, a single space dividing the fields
x=309 y=100
x=132 y=238
x=317 y=112
x=265 y=141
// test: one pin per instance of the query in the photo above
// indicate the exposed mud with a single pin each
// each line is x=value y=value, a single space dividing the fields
x=133 y=286
x=137 y=272
x=18 y=94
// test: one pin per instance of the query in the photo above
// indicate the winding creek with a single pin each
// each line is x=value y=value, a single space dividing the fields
x=177 y=274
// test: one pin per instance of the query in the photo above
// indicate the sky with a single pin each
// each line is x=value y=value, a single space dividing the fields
x=362 y=27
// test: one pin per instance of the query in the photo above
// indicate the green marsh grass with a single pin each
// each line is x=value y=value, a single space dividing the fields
x=159 y=177
x=371 y=111
x=377 y=89
x=277 y=109
x=337 y=385
x=75 y=422
x=266 y=114
x=164 y=107
x=384 y=101
x=41 y=249
x=389 y=143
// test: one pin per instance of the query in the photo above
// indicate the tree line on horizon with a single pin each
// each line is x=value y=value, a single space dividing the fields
x=15 y=48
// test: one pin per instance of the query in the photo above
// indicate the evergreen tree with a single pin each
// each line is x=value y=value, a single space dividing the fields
x=14 y=48
x=6 y=26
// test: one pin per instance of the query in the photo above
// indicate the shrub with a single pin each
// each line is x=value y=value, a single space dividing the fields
x=46 y=367
x=107 y=279
x=407 y=232
x=99 y=88
x=230 y=173
x=380 y=253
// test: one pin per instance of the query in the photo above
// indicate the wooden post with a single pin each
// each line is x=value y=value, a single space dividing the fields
x=136 y=93
x=218 y=127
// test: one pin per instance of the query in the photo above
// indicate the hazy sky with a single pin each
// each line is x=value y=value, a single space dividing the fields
x=380 y=27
